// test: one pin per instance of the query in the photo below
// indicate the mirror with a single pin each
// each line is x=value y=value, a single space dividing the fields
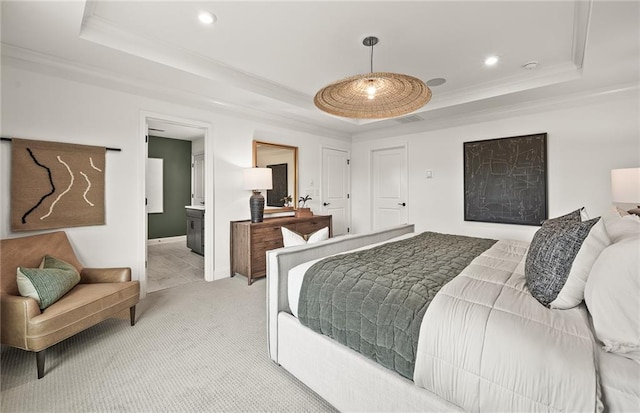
x=283 y=160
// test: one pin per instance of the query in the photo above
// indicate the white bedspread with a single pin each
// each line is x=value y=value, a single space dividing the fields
x=487 y=345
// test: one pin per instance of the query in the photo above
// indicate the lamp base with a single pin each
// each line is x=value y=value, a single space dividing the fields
x=256 y=206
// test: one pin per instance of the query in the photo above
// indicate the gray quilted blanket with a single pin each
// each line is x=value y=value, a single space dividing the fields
x=373 y=301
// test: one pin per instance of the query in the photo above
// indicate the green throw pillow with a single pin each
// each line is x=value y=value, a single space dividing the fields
x=48 y=283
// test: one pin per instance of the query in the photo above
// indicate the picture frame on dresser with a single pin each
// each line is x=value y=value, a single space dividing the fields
x=505 y=180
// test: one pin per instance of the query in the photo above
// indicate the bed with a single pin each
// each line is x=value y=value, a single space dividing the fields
x=485 y=343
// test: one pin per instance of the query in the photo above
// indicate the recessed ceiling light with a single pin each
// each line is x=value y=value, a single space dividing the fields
x=491 y=60
x=206 y=17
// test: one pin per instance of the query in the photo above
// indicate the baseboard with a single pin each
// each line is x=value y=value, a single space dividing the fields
x=180 y=238
x=222 y=273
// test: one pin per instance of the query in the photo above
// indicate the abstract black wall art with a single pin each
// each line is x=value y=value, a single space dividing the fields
x=505 y=180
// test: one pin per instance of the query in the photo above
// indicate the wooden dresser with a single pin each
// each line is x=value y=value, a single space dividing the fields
x=251 y=241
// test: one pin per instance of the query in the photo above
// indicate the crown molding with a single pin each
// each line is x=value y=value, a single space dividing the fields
x=581 y=24
x=469 y=115
x=437 y=119
x=526 y=80
x=79 y=72
x=292 y=109
x=99 y=30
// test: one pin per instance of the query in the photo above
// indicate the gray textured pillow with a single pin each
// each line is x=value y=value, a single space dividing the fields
x=573 y=216
x=552 y=253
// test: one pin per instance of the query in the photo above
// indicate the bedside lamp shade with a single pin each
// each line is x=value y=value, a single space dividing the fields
x=625 y=187
x=257 y=179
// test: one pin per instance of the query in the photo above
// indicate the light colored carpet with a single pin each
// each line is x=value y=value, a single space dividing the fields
x=199 y=347
x=171 y=264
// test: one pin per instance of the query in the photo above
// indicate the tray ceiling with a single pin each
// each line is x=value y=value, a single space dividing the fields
x=269 y=58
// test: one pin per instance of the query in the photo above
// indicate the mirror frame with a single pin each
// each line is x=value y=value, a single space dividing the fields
x=273 y=210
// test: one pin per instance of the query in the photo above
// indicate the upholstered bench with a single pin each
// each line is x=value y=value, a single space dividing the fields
x=101 y=293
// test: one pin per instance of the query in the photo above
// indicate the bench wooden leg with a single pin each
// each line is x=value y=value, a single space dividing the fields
x=132 y=315
x=40 y=363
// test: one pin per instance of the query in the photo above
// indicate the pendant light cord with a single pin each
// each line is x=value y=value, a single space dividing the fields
x=372 y=58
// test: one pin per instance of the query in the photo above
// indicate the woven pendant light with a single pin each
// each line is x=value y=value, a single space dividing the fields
x=375 y=95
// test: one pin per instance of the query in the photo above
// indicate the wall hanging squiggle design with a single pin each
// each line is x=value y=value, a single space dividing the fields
x=45 y=193
x=53 y=187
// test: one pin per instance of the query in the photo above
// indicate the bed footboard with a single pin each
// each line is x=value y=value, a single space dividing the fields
x=281 y=260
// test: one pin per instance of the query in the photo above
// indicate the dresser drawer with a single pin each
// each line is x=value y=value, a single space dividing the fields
x=266 y=232
x=260 y=247
x=251 y=241
x=311 y=225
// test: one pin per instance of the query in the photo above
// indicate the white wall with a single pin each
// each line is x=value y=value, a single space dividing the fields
x=197 y=146
x=36 y=106
x=584 y=143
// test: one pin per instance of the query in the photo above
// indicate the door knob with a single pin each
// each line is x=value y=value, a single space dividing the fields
x=402 y=203
x=326 y=203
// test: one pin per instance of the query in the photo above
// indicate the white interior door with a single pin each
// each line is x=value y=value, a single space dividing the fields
x=197 y=177
x=335 y=188
x=389 y=187
x=155 y=186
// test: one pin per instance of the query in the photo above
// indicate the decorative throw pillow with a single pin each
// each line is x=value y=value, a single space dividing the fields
x=560 y=258
x=292 y=238
x=621 y=227
x=573 y=216
x=48 y=283
x=611 y=295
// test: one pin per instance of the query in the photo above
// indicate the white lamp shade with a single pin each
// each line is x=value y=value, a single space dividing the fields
x=625 y=185
x=255 y=179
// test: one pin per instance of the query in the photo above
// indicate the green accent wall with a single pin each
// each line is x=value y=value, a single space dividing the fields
x=176 y=167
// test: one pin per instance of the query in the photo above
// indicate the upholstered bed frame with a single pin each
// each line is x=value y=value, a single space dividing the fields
x=347 y=380
x=488 y=303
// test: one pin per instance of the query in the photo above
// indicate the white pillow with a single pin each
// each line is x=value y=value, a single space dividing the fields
x=572 y=293
x=292 y=238
x=584 y=215
x=621 y=227
x=612 y=297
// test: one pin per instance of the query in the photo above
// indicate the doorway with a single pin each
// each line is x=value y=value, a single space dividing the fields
x=181 y=146
x=389 y=187
x=336 y=188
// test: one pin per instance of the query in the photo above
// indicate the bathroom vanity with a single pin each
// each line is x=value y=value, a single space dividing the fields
x=195 y=228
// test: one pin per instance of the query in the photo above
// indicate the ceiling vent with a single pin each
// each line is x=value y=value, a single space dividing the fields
x=410 y=119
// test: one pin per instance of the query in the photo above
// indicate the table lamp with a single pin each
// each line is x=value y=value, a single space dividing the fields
x=625 y=187
x=256 y=180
